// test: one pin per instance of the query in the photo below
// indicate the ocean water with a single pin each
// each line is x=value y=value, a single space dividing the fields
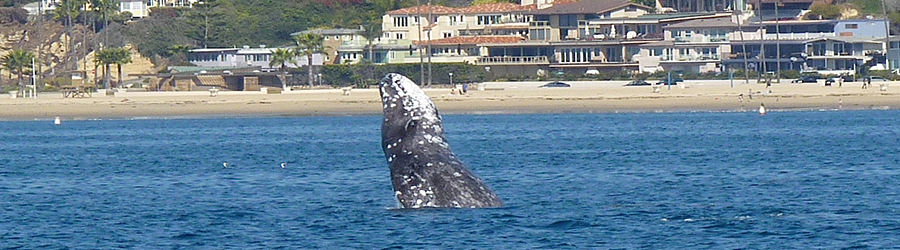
x=787 y=180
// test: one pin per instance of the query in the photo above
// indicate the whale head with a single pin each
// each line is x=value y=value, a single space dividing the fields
x=407 y=110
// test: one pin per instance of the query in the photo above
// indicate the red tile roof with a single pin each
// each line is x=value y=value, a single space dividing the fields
x=482 y=8
x=475 y=40
x=497 y=8
x=586 y=7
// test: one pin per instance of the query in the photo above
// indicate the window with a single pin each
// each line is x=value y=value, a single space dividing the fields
x=568 y=21
x=399 y=36
x=447 y=34
x=851 y=26
x=401 y=21
x=538 y=34
x=456 y=20
x=575 y=55
x=126 y=5
x=486 y=20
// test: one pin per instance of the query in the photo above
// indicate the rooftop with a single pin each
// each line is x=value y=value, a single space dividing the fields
x=586 y=7
x=481 y=8
x=469 y=40
x=721 y=22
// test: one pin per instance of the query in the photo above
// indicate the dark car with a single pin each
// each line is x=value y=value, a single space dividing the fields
x=638 y=82
x=832 y=80
x=556 y=84
x=675 y=81
x=806 y=79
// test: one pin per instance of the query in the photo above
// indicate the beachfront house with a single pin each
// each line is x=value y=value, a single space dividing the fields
x=142 y=8
x=690 y=46
x=790 y=44
x=243 y=57
x=341 y=45
x=47 y=6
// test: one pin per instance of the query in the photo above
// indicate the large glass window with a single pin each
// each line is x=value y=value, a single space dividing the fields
x=568 y=21
x=401 y=21
x=488 y=19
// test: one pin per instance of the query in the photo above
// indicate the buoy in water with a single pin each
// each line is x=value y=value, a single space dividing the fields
x=57 y=121
x=762 y=109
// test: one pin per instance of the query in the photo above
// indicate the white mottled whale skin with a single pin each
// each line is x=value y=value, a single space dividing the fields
x=424 y=171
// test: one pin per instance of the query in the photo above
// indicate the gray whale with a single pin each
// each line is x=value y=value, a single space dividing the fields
x=424 y=171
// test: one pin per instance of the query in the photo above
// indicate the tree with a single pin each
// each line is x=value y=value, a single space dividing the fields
x=371 y=31
x=309 y=44
x=66 y=12
x=18 y=61
x=203 y=15
x=105 y=9
x=281 y=57
x=178 y=53
x=823 y=11
x=105 y=57
x=121 y=56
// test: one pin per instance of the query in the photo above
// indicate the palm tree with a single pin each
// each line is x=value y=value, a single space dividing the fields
x=371 y=31
x=281 y=57
x=67 y=10
x=105 y=57
x=309 y=44
x=17 y=61
x=105 y=8
x=121 y=56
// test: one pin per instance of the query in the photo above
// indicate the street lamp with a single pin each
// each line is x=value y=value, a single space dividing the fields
x=451 y=78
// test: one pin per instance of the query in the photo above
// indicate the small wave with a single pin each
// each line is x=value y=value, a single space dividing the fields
x=565 y=225
x=185 y=236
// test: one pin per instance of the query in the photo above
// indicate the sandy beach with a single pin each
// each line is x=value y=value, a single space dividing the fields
x=498 y=97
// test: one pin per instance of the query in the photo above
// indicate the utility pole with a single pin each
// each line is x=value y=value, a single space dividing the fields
x=419 y=23
x=743 y=43
x=887 y=37
x=762 y=44
x=777 y=44
x=428 y=48
x=40 y=38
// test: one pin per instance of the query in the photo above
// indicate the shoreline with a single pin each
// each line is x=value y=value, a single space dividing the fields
x=499 y=98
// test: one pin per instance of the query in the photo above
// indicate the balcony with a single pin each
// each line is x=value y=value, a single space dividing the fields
x=513 y=60
x=691 y=58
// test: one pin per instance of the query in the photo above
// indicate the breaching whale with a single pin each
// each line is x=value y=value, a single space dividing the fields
x=424 y=171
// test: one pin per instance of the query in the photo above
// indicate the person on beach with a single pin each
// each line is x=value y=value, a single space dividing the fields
x=867 y=83
x=465 y=89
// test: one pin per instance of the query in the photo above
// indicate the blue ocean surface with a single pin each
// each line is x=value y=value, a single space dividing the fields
x=786 y=180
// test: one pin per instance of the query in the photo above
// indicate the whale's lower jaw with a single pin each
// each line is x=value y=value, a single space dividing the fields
x=439 y=181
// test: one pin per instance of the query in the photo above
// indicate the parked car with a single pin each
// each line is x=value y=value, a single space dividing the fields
x=675 y=81
x=830 y=80
x=806 y=79
x=556 y=84
x=638 y=82
x=875 y=79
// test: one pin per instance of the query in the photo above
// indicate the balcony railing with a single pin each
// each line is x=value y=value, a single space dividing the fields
x=691 y=58
x=700 y=39
x=495 y=60
x=798 y=36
